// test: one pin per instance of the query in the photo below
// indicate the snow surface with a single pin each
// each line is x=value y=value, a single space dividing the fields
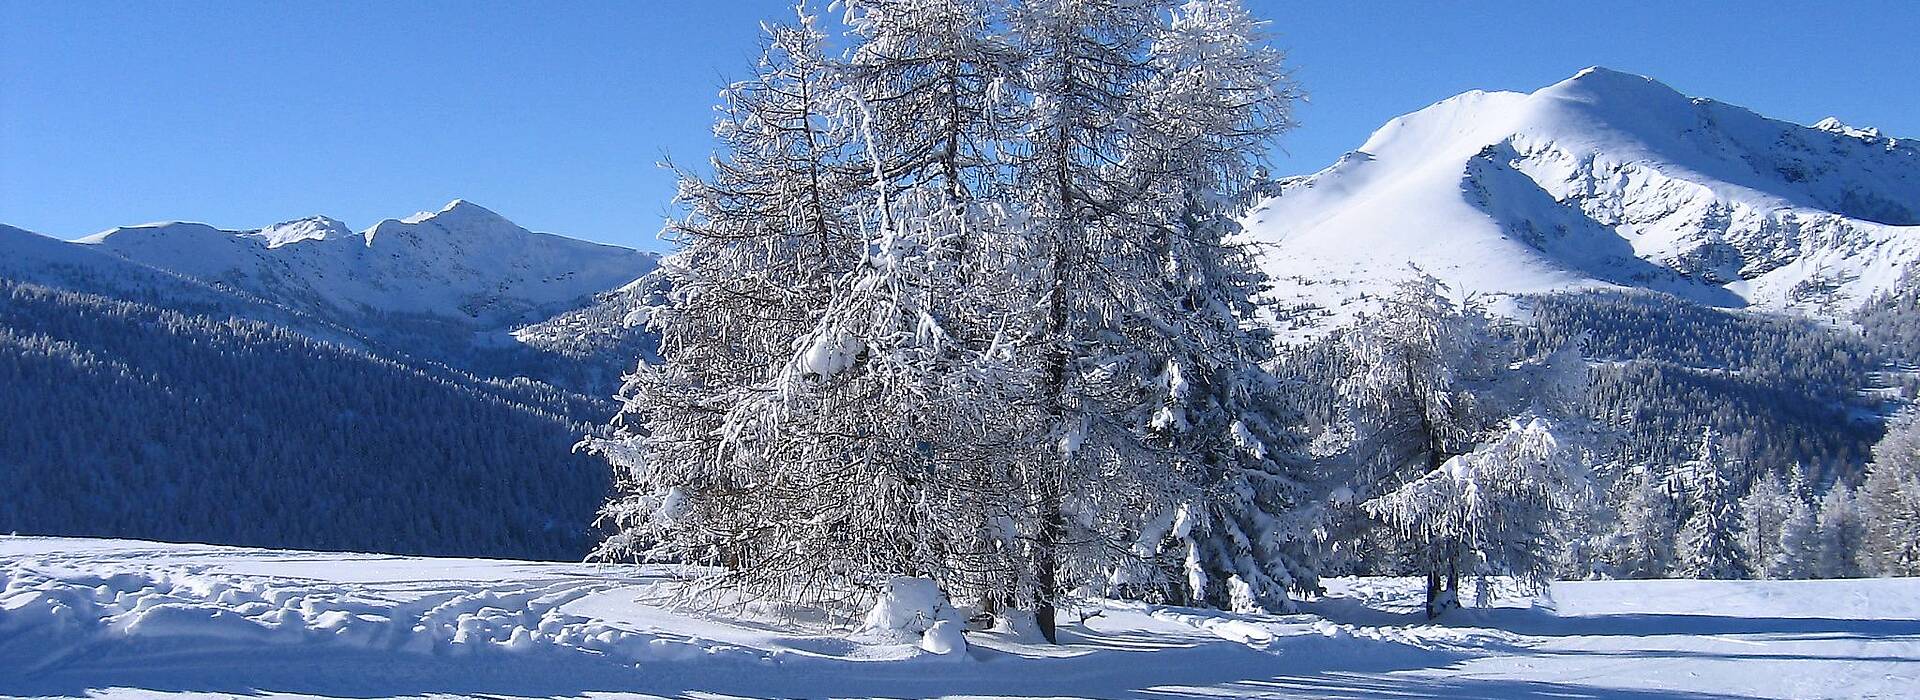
x=116 y=618
x=1603 y=180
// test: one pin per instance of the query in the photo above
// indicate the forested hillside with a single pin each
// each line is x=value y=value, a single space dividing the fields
x=127 y=419
x=1779 y=390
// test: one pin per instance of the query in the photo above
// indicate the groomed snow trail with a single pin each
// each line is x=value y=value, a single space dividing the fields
x=114 y=618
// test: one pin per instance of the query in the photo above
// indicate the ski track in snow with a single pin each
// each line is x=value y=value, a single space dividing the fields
x=119 y=618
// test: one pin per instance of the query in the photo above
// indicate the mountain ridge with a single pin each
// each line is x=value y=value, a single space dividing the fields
x=462 y=261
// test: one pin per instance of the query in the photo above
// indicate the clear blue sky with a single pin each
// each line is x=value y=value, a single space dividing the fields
x=241 y=114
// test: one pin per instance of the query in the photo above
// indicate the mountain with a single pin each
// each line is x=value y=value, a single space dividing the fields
x=1721 y=270
x=463 y=261
x=1604 y=180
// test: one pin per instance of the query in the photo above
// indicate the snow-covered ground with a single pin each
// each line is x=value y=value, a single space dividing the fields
x=125 y=619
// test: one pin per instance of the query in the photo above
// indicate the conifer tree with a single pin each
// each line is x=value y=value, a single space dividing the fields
x=1642 y=545
x=1764 y=512
x=1709 y=542
x=1842 y=533
x=1890 y=503
x=1799 y=556
x=1137 y=143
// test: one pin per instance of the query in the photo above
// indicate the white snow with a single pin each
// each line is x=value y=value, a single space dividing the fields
x=115 y=618
x=913 y=610
x=1604 y=179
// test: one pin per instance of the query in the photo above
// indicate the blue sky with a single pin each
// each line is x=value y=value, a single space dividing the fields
x=241 y=114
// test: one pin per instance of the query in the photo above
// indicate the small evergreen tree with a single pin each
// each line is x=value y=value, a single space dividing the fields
x=1799 y=556
x=1842 y=533
x=1642 y=544
x=1709 y=543
x=1763 y=518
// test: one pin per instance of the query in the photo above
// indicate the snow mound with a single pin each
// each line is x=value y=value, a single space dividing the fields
x=914 y=611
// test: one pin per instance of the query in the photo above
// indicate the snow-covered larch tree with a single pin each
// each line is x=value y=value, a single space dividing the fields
x=764 y=240
x=1890 y=503
x=1799 y=556
x=891 y=427
x=1642 y=544
x=1408 y=412
x=1493 y=511
x=1137 y=138
x=1763 y=519
x=1213 y=96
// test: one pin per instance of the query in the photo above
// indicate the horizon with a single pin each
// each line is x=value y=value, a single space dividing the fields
x=554 y=117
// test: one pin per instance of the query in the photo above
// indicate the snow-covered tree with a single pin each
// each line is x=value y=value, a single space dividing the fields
x=982 y=316
x=1493 y=511
x=1137 y=149
x=1429 y=379
x=1763 y=518
x=1890 y=502
x=1799 y=556
x=1843 y=531
x=765 y=238
x=1709 y=542
x=1642 y=543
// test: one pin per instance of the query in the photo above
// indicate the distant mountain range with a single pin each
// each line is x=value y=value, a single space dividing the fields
x=451 y=285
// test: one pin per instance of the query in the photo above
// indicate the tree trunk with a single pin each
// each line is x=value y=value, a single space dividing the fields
x=1453 y=574
x=1046 y=573
x=1443 y=578
x=1433 y=592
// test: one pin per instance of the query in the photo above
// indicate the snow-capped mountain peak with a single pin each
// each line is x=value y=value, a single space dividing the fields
x=1834 y=125
x=1603 y=179
x=312 y=228
x=463 y=261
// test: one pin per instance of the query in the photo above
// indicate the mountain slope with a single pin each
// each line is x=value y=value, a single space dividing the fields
x=128 y=419
x=1602 y=180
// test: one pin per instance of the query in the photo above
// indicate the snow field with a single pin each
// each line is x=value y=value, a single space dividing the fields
x=105 y=618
